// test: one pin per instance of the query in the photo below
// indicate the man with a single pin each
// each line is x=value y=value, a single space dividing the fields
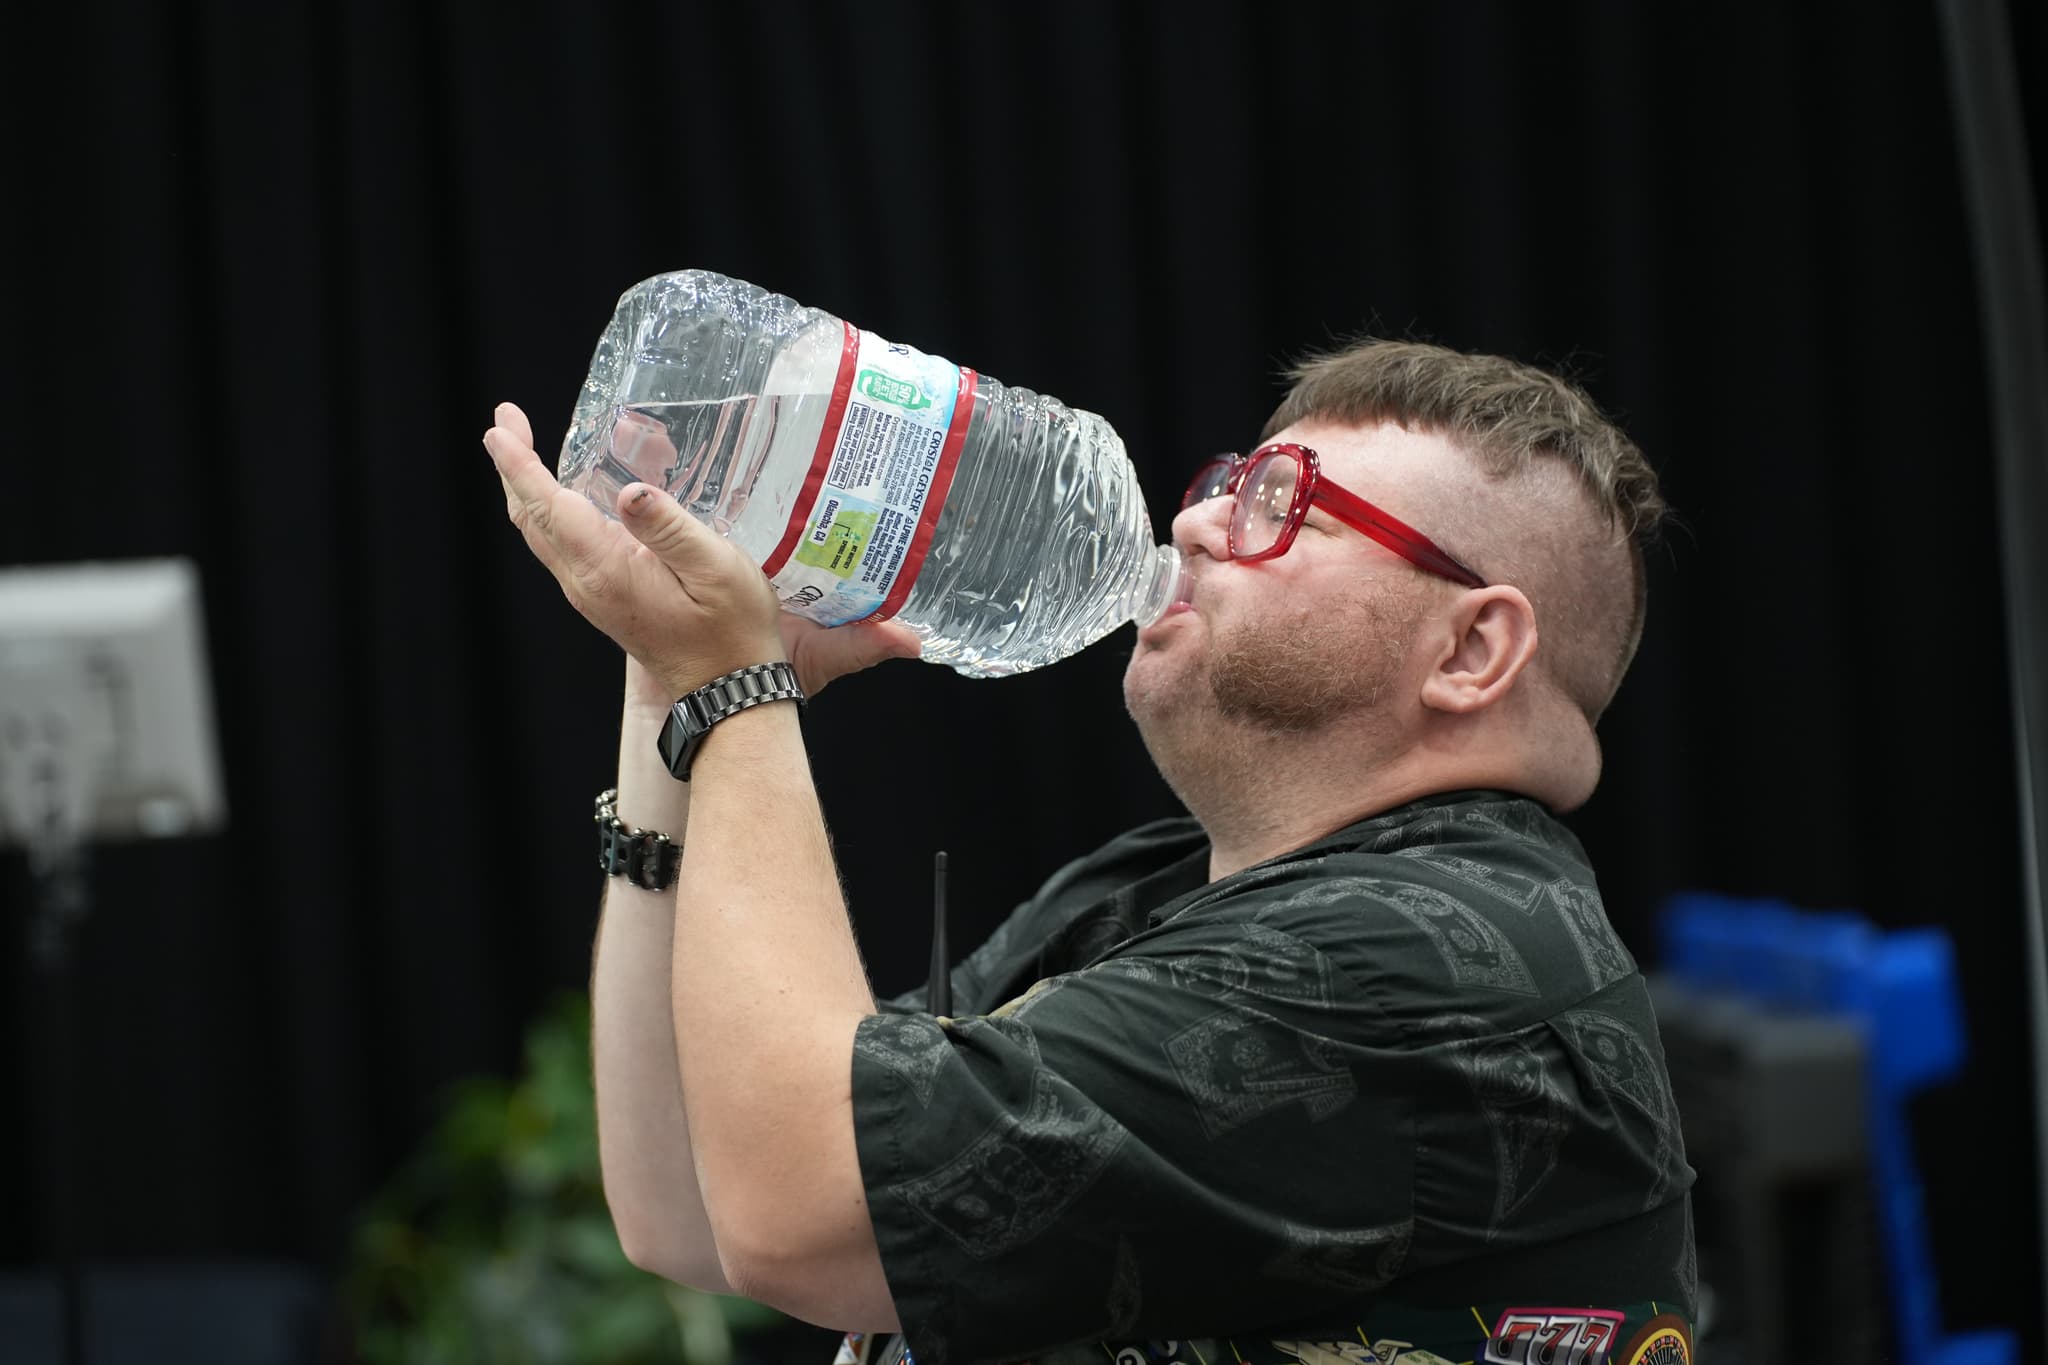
x=1348 y=1065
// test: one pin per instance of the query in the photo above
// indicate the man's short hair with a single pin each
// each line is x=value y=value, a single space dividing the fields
x=1508 y=415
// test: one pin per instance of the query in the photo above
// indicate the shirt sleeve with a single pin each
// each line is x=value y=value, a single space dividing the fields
x=1201 y=1135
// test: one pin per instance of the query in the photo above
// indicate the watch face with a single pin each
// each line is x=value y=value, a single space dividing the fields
x=679 y=741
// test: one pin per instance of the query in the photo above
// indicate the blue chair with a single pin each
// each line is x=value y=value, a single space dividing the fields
x=1900 y=988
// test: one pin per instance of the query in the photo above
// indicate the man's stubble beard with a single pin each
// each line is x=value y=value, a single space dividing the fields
x=1300 y=674
x=1286 y=677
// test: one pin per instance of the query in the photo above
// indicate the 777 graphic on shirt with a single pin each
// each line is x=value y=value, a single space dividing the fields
x=1553 y=1336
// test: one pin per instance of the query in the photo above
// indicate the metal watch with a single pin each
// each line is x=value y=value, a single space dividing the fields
x=647 y=859
x=692 y=717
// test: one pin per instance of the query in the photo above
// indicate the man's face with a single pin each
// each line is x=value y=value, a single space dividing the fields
x=1287 y=646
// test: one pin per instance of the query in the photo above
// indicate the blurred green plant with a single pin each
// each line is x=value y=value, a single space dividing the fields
x=493 y=1242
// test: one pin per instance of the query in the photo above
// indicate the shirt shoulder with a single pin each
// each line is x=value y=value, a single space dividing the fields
x=1129 y=858
x=1478 y=907
x=1086 y=906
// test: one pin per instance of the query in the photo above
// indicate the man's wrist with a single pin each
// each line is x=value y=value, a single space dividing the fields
x=697 y=713
x=649 y=797
x=758 y=744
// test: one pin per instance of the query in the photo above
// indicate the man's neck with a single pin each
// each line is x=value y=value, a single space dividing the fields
x=1315 y=789
x=1259 y=794
x=1250 y=823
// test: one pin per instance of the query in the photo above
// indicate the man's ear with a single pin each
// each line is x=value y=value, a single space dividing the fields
x=1491 y=638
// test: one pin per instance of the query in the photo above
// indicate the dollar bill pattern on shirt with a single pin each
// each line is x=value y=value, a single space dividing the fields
x=1240 y=1063
x=1346 y=1260
x=1624 y=1066
x=914 y=1046
x=1016 y=1178
x=1473 y=949
x=1528 y=1114
x=1576 y=907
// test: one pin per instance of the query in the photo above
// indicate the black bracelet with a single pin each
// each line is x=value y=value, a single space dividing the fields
x=642 y=856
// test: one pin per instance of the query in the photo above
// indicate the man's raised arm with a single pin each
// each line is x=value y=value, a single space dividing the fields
x=726 y=1137
x=643 y=1139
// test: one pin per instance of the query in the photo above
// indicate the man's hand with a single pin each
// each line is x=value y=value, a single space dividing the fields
x=821 y=654
x=678 y=597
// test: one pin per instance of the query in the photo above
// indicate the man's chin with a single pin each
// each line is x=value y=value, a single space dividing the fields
x=1154 y=684
x=1171 y=703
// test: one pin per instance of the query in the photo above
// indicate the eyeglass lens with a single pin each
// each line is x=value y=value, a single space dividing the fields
x=1264 y=500
x=1212 y=482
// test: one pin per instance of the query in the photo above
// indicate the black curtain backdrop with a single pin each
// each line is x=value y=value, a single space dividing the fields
x=272 y=265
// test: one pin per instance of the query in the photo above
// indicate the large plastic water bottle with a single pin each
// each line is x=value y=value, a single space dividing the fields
x=868 y=479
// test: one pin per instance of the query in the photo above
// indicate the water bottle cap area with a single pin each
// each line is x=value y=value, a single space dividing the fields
x=1169 y=584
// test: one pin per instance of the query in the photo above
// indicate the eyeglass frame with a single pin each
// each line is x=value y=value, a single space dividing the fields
x=1311 y=488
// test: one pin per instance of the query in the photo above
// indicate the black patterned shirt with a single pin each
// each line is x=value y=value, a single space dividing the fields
x=1397 y=1096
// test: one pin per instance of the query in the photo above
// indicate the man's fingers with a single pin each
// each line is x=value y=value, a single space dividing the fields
x=822 y=655
x=531 y=491
x=867 y=644
x=696 y=553
x=536 y=503
x=894 y=640
x=542 y=549
x=511 y=499
x=517 y=465
x=508 y=416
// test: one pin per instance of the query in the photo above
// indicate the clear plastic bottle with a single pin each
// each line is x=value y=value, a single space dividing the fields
x=869 y=479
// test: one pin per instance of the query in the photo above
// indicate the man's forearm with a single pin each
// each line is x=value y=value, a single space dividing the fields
x=768 y=991
x=778 y=991
x=650 y=1177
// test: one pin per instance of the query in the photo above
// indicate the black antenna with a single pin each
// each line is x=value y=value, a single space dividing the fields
x=939 y=994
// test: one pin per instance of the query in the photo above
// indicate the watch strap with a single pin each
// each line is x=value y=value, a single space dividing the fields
x=647 y=858
x=693 y=715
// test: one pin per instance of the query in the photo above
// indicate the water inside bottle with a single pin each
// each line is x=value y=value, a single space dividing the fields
x=737 y=463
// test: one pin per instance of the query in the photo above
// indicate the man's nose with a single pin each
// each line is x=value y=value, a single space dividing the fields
x=1204 y=526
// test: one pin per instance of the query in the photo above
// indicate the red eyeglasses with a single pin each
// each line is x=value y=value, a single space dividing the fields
x=1276 y=484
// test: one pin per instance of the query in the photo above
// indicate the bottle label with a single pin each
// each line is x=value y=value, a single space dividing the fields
x=863 y=521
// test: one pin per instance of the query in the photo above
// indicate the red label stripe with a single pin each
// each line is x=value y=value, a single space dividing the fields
x=934 y=500
x=821 y=460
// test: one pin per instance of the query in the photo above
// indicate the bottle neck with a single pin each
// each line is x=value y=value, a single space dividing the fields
x=1162 y=580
